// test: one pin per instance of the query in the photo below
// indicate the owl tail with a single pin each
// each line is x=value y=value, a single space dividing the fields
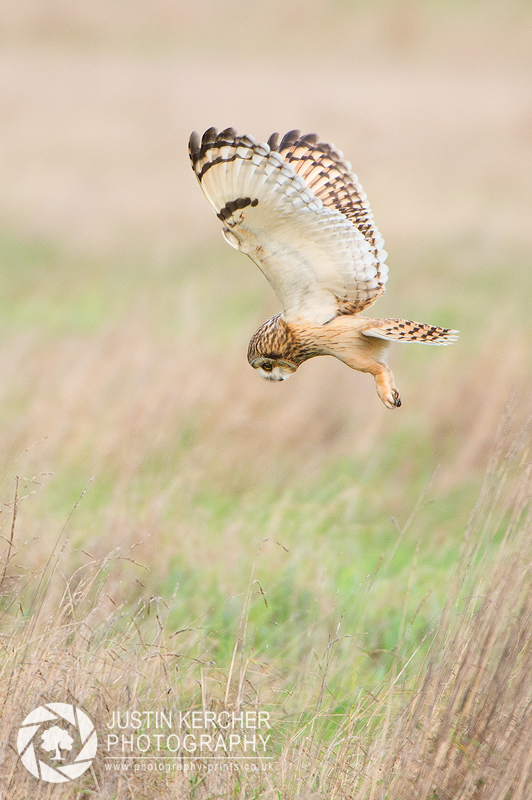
x=403 y=330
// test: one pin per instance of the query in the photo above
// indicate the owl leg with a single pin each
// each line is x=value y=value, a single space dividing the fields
x=385 y=385
x=363 y=353
x=372 y=363
x=370 y=359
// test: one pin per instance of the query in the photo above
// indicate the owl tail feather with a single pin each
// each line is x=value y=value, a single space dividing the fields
x=402 y=330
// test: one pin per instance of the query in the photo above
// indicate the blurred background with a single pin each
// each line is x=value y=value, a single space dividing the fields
x=124 y=318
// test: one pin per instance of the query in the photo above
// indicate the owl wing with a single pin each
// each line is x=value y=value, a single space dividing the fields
x=299 y=212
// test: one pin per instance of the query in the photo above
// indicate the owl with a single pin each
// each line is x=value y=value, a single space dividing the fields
x=294 y=206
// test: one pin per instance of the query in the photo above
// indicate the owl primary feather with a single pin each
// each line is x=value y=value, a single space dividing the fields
x=294 y=206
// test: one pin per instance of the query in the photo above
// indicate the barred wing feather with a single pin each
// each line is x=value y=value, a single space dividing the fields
x=300 y=214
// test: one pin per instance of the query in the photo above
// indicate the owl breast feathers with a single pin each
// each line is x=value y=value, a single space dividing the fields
x=297 y=210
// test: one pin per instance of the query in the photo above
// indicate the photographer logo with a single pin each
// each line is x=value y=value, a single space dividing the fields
x=57 y=742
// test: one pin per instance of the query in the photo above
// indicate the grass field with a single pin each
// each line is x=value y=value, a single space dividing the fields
x=177 y=533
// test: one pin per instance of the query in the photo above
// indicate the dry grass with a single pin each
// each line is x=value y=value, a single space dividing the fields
x=467 y=730
x=458 y=725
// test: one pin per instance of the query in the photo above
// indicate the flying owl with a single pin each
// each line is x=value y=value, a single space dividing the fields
x=297 y=210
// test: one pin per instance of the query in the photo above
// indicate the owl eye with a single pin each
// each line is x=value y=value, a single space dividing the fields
x=267 y=367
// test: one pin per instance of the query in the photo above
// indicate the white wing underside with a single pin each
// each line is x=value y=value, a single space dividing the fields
x=316 y=260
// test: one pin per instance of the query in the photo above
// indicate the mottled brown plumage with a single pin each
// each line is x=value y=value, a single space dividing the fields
x=295 y=208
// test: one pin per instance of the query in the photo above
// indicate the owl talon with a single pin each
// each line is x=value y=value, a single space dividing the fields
x=391 y=399
x=396 y=399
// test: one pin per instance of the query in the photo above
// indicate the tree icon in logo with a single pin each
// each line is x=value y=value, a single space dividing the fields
x=82 y=742
x=56 y=739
